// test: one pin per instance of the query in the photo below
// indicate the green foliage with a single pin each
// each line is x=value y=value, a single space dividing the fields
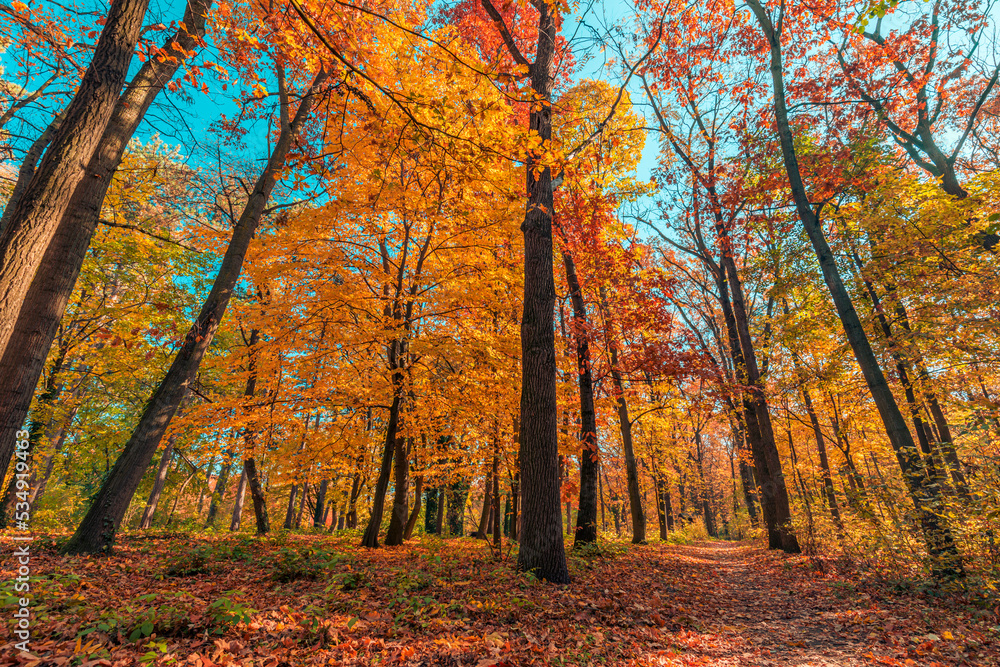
x=310 y=563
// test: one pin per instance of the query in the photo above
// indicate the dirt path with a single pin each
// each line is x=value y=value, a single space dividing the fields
x=750 y=607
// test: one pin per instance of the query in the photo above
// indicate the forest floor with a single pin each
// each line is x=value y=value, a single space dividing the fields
x=302 y=600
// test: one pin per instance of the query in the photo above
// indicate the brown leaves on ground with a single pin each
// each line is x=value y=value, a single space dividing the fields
x=321 y=601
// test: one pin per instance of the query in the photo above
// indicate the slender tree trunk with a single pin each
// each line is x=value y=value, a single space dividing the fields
x=158 y=484
x=586 y=519
x=704 y=495
x=290 y=509
x=625 y=425
x=662 y=499
x=219 y=493
x=456 y=509
x=241 y=492
x=824 y=461
x=418 y=494
x=947 y=562
x=31 y=309
x=440 y=511
x=773 y=487
x=97 y=530
x=483 y=526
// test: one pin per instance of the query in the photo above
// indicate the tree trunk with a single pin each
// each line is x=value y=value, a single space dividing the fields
x=625 y=424
x=290 y=509
x=767 y=462
x=257 y=493
x=497 y=528
x=484 y=516
x=430 y=517
x=586 y=518
x=824 y=461
x=241 y=492
x=704 y=495
x=418 y=494
x=542 y=550
x=440 y=511
x=947 y=562
x=30 y=319
x=662 y=499
x=303 y=497
x=158 y=484
x=370 y=538
x=456 y=509
x=400 y=500
x=47 y=196
x=97 y=530
x=318 y=514
x=219 y=493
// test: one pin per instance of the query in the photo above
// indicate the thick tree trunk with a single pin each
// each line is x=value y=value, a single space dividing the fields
x=29 y=326
x=158 y=484
x=47 y=196
x=42 y=421
x=542 y=550
x=97 y=530
x=319 y=513
x=586 y=518
x=241 y=492
x=400 y=499
x=947 y=562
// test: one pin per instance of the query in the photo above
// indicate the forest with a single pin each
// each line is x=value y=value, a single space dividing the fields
x=493 y=333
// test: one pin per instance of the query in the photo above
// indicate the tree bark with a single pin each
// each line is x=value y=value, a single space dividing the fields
x=158 y=484
x=28 y=327
x=241 y=492
x=257 y=494
x=319 y=514
x=218 y=493
x=96 y=532
x=586 y=518
x=418 y=494
x=484 y=516
x=542 y=550
x=47 y=196
x=430 y=518
x=400 y=501
x=625 y=425
x=370 y=538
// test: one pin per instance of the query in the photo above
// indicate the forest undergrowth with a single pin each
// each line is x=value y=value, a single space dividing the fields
x=185 y=599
